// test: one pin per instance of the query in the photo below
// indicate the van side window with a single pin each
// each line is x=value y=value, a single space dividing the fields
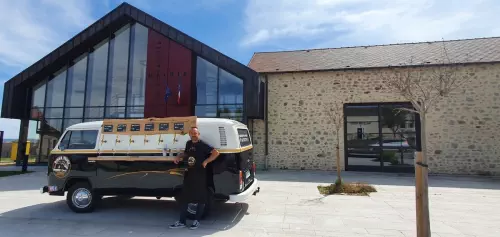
x=80 y=139
x=244 y=137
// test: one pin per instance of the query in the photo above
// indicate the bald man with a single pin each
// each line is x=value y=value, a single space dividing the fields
x=198 y=154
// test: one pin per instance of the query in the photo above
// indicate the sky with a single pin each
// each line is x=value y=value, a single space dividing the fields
x=238 y=28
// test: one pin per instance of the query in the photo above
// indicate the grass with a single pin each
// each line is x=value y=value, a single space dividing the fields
x=8 y=160
x=10 y=173
x=354 y=188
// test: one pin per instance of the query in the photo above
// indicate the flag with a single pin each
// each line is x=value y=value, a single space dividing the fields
x=179 y=93
x=167 y=94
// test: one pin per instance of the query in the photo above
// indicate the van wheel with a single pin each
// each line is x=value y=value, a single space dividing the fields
x=80 y=198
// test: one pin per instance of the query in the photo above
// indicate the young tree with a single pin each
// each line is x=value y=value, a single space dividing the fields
x=334 y=111
x=425 y=85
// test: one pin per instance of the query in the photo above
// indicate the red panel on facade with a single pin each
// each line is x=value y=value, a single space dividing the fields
x=179 y=73
x=156 y=81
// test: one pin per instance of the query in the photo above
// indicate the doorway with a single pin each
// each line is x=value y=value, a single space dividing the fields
x=379 y=137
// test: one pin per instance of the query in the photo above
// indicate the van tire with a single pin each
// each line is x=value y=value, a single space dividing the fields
x=81 y=191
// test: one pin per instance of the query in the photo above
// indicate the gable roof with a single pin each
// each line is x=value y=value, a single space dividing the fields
x=98 y=31
x=465 y=51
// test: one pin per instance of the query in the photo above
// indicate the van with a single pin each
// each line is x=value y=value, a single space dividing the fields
x=135 y=157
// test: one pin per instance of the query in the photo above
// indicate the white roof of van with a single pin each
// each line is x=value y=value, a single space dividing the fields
x=98 y=124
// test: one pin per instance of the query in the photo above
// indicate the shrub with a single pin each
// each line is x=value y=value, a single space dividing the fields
x=355 y=188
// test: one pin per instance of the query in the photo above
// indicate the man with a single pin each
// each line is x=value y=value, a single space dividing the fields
x=194 y=190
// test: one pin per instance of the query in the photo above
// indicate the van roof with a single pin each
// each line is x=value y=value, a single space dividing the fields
x=98 y=124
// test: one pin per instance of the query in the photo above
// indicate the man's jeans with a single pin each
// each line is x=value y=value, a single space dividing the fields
x=184 y=212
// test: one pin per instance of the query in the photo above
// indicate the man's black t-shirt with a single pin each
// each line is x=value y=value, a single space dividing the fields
x=195 y=179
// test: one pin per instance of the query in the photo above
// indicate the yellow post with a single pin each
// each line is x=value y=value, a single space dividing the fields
x=13 y=150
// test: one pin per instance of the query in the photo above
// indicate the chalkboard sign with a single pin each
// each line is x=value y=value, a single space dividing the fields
x=108 y=128
x=121 y=128
x=163 y=126
x=135 y=127
x=178 y=126
x=149 y=127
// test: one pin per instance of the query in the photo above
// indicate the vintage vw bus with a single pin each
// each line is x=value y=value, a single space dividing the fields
x=134 y=157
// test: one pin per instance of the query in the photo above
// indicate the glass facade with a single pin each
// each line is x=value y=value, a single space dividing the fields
x=107 y=82
x=218 y=93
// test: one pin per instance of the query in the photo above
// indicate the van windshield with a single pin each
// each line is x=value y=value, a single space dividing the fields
x=79 y=139
x=244 y=137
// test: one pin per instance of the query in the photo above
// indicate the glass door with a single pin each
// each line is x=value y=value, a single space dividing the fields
x=379 y=137
x=363 y=137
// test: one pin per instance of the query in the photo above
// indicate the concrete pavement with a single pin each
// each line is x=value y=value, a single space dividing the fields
x=288 y=205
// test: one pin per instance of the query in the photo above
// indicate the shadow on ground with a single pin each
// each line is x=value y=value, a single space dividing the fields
x=114 y=213
x=405 y=179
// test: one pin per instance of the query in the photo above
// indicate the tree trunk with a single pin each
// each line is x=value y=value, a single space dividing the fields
x=421 y=183
x=338 y=157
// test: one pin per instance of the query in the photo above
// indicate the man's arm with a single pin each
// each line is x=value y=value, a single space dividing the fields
x=214 y=153
x=181 y=154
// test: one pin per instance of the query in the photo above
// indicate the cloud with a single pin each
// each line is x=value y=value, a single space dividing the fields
x=30 y=29
x=179 y=7
x=327 y=23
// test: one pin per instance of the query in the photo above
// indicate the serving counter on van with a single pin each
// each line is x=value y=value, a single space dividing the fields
x=134 y=157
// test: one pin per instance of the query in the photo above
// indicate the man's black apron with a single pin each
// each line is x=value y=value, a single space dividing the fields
x=195 y=179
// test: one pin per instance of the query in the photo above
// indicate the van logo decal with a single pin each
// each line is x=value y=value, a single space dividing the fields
x=191 y=161
x=61 y=166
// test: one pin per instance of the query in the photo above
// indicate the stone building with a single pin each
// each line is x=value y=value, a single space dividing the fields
x=461 y=129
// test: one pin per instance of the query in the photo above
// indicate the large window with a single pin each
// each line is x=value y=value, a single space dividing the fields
x=96 y=79
x=137 y=71
x=55 y=90
x=117 y=74
x=218 y=93
x=108 y=81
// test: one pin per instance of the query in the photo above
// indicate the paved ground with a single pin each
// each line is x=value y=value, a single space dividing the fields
x=288 y=205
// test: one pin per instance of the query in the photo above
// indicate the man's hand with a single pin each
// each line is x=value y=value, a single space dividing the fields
x=205 y=163
x=177 y=159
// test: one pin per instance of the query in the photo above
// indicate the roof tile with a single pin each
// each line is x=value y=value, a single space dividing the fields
x=460 y=51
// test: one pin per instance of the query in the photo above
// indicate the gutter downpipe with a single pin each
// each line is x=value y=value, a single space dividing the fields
x=266 y=122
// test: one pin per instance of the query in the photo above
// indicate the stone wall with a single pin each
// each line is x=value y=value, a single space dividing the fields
x=461 y=129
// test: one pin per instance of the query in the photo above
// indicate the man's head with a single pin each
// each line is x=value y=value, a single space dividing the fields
x=194 y=133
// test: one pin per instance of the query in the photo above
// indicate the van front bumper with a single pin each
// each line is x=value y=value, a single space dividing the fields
x=252 y=190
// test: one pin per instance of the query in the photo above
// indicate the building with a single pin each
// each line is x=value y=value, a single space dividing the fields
x=122 y=65
x=461 y=129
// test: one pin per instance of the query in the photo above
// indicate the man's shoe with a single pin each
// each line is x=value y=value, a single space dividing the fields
x=194 y=225
x=177 y=225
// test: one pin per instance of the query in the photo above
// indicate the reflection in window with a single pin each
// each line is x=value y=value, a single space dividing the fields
x=76 y=83
x=234 y=112
x=207 y=111
x=96 y=81
x=115 y=112
x=54 y=112
x=38 y=101
x=97 y=112
x=53 y=126
x=69 y=122
x=55 y=90
x=137 y=65
x=230 y=88
x=118 y=64
x=135 y=112
x=206 y=82
x=73 y=112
